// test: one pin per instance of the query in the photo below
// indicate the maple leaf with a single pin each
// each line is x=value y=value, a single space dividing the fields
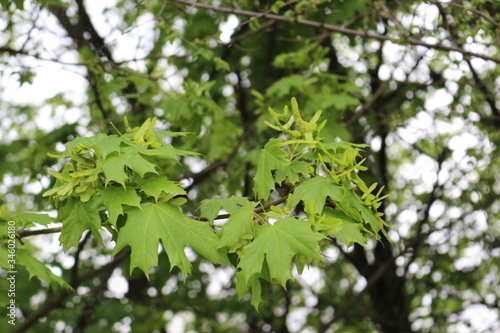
x=27 y=219
x=253 y=284
x=366 y=214
x=277 y=245
x=210 y=208
x=156 y=185
x=350 y=231
x=114 y=165
x=113 y=198
x=77 y=217
x=317 y=189
x=107 y=144
x=271 y=157
x=164 y=221
x=292 y=172
x=164 y=152
x=85 y=141
x=36 y=268
x=240 y=220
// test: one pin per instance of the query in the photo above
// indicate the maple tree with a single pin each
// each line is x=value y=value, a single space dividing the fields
x=230 y=166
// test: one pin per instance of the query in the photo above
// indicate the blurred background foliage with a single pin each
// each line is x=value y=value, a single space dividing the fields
x=417 y=81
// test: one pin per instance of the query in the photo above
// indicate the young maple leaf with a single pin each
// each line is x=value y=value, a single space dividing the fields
x=240 y=219
x=77 y=217
x=114 y=165
x=272 y=157
x=113 y=198
x=277 y=245
x=163 y=221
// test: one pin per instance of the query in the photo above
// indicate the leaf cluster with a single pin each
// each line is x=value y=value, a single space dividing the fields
x=307 y=190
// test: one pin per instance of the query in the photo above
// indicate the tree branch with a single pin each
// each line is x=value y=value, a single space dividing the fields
x=27 y=232
x=333 y=28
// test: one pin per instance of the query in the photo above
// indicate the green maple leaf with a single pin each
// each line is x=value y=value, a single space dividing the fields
x=113 y=198
x=86 y=141
x=240 y=220
x=292 y=172
x=253 y=284
x=27 y=219
x=108 y=144
x=164 y=221
x=271 y=157
x=164 y=152
x=77 y=217
x=210 y=208
x=238 y=225
x=367 y=216
x=36 y=268
x=350 y=231
x=277 y=245
x=156 y=185
x=283 y=86
x=317 y=189
x=114 y=165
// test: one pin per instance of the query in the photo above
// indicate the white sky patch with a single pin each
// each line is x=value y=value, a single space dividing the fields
x=424 y=168
x=439 y=99
x=136 y=42
x=472 y=257
x=312 y=277
x=117 y=284
x=179 y=322
x=297 y=318
x=481 y=319
x=227 y=28
x=219 y=279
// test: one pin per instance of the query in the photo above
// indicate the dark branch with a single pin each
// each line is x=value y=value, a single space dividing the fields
x=27 y=232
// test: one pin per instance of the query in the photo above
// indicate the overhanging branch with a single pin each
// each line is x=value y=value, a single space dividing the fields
x=334 y=28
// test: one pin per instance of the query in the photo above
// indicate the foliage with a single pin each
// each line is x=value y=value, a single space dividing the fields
x=112 y=181
x=241 y=217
